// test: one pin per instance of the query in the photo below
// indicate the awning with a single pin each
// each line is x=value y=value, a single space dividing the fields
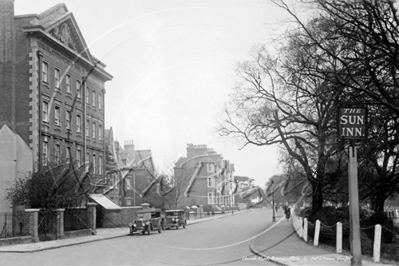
x=104 y=201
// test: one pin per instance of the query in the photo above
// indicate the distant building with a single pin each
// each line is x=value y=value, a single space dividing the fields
x=52 y=92
x=204 y=178
x=129 y=171
x=244 y=184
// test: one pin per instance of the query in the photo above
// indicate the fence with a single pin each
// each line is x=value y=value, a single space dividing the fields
x=12 y=225
x=75 y=219
x=338 y=235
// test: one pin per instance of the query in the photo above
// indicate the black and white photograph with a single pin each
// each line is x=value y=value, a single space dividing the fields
x=199 y=132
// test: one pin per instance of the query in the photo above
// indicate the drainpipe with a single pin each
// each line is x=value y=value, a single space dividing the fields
x=40 y=56
x=83 y=90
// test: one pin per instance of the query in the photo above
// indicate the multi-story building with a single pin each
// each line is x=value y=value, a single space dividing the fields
x=52 y=92
x=204 y=178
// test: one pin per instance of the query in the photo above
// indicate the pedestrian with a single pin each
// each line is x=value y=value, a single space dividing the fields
x=287 y=212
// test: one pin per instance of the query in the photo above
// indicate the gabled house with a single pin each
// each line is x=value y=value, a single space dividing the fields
x=130 y=173
x=204 y=178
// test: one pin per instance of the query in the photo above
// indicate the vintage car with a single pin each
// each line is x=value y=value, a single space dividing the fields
x=174 y=219
x=147 y=220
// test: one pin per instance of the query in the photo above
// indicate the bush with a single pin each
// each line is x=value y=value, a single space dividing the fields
x=329 y=216
x=342 y=214
x=306 y=212
x=382 y=219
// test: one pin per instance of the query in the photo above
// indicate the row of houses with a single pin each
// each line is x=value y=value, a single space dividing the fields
x=52 y=109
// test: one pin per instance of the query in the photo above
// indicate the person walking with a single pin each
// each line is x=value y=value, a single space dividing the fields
x=287 y=212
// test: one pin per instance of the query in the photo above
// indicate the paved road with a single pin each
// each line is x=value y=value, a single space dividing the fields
x=216 y=242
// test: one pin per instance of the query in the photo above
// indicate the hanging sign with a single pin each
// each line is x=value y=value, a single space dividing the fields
x=352 y=123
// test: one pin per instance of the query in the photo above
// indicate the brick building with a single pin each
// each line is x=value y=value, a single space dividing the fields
x=204 y=178
x=52 y=87
x=129 y=172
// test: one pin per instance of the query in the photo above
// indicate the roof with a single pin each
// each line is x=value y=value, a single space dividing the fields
x=59 y=25
x=104 y=201
x=175 y=210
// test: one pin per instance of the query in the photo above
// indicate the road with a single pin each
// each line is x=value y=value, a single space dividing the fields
x=216 y=242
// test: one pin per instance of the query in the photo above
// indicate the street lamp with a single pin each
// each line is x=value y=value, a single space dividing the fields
x=274 y=216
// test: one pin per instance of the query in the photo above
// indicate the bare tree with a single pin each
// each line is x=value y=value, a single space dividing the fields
x=367 y=73
x=285 y=99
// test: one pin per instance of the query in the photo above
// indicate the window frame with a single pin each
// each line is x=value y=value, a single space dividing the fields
x=45 y=115
x=57 y=153
x=210 y=197
x=93 y=98
x=78 y=123
x=57 y=81
x=78 y=85
x=57 y=112
x=94 y=163
x=79 y=155
x=87 y=95
x=68 y=119
x=100 y=133
x=93 y=130
x=68 y=84
x=210 y=182
x=100 y=101
x=100 y=165
x=87 y=128
x=44 y=71
x=45 y=152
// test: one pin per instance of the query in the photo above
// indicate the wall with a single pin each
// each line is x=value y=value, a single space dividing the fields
x=15 y=162
x=117 y=218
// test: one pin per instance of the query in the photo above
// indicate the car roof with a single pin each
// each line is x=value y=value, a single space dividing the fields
x=149 y=210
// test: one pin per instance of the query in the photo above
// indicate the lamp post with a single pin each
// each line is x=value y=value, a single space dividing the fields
x=274 y=216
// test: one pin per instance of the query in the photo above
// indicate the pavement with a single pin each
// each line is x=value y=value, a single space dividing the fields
x=278 y=240
x=102 y=234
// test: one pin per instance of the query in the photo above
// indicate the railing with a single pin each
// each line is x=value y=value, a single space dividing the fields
x=303 y=227
x=75 y=219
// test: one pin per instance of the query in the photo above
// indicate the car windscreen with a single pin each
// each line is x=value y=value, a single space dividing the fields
x=142 y=215
x=155 y=214
x=172 y=214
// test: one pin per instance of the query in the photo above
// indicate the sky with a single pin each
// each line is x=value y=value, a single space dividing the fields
x=173 y=65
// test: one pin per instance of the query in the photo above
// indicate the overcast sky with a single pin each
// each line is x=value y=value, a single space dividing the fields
x=173 y=64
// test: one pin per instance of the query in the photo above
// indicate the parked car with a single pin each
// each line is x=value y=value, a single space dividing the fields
x=147 y=220
x=174 y=219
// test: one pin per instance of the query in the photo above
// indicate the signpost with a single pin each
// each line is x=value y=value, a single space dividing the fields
x=352 y=125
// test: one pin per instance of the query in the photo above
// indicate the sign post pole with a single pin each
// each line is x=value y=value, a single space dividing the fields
x=352 y=126
x=354 y=208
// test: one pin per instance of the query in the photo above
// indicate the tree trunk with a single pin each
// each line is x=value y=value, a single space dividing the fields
x=379 y=203
x=317 y=201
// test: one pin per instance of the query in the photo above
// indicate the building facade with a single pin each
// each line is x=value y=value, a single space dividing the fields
x=53 y=89
x=130 y=173
x=204 y=178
